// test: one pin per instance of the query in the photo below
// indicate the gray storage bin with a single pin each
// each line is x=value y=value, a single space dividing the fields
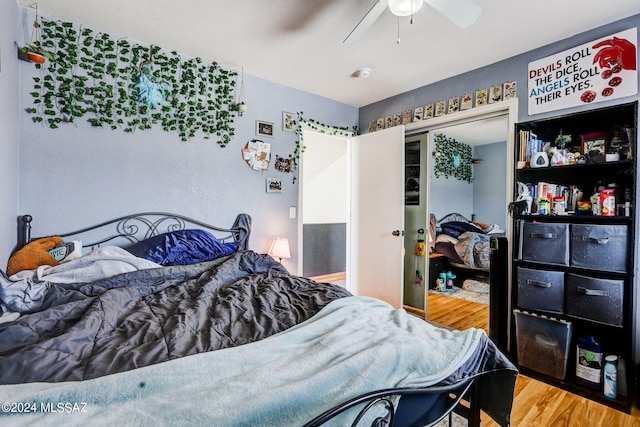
x=543 y=343
x=541 y=290
x=601 y=247
x=544 y=242
x=596 y=299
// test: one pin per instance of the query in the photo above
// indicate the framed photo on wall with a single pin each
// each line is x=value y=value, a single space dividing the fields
x=481 y=97
x=264 y=128
x=388 y=122
x=274 y=185
x=417 y=114
x=288 y=122
x=466 y=102
x=454 y=104
x=428 y=111
x=495 y=94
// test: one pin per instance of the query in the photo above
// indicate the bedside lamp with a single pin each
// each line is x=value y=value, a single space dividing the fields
x=280 y=248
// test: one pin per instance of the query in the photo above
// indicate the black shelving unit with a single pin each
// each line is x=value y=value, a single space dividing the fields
x=614 y=331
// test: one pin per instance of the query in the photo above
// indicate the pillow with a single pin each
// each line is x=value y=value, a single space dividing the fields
x=182 y=248
x=67 y=251
x=456 y=228
x=446 y=238
x=33 y=255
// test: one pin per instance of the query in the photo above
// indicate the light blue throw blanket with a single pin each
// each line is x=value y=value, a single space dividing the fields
x=353 y=346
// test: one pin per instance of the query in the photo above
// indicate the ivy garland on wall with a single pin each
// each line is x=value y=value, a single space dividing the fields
x=96 y=77
x=453 y=158
x=317 y=127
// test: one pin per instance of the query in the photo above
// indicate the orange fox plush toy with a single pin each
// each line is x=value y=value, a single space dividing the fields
x=33 y=255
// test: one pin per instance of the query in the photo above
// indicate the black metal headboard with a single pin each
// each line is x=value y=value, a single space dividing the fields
x=130 y=229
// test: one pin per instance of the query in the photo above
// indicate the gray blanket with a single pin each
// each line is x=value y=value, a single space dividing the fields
x=78 y=331
x=473 y=249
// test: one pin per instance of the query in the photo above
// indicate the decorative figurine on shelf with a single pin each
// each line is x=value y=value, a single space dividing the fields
x=562 y=141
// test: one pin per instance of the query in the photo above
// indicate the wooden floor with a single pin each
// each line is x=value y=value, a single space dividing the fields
x=536 y=403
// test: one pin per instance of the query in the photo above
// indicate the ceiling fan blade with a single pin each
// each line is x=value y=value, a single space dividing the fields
x=463 y=13
x=367 y=21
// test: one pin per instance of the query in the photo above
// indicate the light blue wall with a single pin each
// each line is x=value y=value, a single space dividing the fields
x=448 y=194
x=78 y=175
x=9 y=129
x=514 y=68
x=478 y=197
x=489 y=176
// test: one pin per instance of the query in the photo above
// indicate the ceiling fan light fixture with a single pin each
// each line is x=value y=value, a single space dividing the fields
x=404 y=7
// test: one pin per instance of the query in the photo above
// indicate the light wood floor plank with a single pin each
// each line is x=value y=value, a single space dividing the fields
x=536 y=404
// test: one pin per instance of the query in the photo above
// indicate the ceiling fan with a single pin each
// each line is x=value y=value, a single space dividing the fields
x=463 y=13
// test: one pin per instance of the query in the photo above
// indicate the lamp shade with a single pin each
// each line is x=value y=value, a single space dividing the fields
x=280 y=248
x=404 y=7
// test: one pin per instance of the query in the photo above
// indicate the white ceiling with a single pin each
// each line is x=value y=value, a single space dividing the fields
x=299 y=43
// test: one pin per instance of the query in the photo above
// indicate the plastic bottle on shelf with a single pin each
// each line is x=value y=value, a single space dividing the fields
x=610 y=376
x=607 y=202
x=589 y=361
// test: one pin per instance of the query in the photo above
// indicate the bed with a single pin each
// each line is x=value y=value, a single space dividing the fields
x=466 y=244
x=123 y=335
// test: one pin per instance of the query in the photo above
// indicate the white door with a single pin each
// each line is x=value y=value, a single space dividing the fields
x=377 y=215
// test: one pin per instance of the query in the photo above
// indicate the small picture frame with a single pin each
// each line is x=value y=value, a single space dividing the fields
x=417 y=114
x=510 y=90
x=597 y=145
x=372 y=126
x=454 y=104
x=481 y=97
x=441 y=108
x=406 y=117
x=264 y=128
x=380 y=123
x=428 y=111
x=288 y=122
x=397 y=119
x=466 y=103
x=388 y=122
x=495 y=94
x=274 y=185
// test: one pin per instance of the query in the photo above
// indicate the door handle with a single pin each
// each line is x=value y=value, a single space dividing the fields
x=398 y=233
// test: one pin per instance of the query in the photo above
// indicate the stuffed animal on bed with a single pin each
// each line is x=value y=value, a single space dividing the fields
x=33 y=255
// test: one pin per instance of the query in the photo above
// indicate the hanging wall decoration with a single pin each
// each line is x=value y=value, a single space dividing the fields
x=257 y=154
x=151 y=92
x=316 y=126
x=283 y=165
x=117 y=84
x=452 y=158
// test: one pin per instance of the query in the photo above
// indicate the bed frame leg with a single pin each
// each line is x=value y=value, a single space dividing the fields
x=474 y=407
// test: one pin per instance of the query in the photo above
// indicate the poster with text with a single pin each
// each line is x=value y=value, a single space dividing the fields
x=597 y=71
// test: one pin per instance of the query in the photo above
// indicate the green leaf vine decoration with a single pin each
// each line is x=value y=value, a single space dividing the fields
x=94 y=76
x=453 y=158
x=317 y=127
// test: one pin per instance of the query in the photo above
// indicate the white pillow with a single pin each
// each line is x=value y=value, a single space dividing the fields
x=445 y=238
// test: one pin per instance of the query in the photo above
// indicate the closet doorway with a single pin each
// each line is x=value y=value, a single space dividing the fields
x=492 y=179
